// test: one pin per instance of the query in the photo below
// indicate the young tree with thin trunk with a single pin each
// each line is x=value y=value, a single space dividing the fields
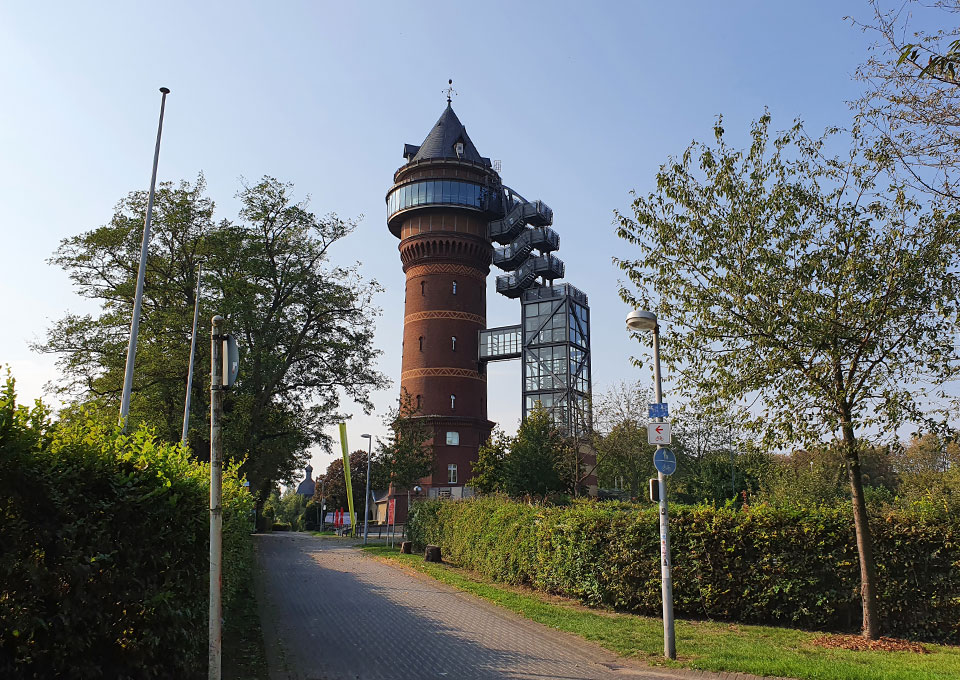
x=811 y=290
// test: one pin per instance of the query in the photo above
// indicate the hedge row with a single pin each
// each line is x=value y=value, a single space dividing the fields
x=759 y=565
x=104 y=551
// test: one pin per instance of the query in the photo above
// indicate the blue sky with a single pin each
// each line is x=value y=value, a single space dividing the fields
x=581 y=102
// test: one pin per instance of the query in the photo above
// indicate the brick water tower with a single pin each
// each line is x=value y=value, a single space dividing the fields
x=439 y=206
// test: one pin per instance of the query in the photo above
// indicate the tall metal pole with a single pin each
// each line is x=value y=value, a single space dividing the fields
x=733 y=476
x=193 y=349
x=366 y=499
x=138 y=297
x=216 y=510
x=666 y=580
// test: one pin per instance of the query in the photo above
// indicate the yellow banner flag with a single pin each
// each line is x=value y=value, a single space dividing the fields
x=346 y=477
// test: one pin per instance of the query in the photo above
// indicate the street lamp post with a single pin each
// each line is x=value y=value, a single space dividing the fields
x=366 y=498
x=323 y=503
x=417 y=489
x=641 y=320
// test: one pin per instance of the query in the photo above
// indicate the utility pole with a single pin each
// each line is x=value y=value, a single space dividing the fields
x=733 y=476
x=366 y=499
x=141 y=272
x=193 y=349
x=216 y=509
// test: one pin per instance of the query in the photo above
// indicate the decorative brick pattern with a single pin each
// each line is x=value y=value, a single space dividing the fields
x=442 y=372
x=445 y=314
x=446 y=268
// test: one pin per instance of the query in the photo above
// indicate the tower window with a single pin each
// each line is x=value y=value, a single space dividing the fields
x=452 y=473
x=454 y=287
x=453 y=439
x=453 y=342
x=421 y=343
x=423 y=287
x=418 y=402
x=453 y=402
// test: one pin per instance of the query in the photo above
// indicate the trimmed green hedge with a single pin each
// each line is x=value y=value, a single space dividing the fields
x=759 y=565
x=104 y=549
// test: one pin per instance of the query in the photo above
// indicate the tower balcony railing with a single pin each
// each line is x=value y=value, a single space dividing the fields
x=544 y=239
x=549 y=267
x=510 y=257
x=535 y=213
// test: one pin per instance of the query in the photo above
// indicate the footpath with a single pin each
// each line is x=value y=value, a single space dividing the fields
x=330 y=612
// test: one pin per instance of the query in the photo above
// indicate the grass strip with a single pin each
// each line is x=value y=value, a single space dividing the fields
x=243 y=654
x=706 y=645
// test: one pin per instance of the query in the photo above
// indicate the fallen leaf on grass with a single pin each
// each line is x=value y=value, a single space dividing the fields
x=858 y=643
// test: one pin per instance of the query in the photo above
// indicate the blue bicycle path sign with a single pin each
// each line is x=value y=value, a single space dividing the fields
x=665 y=461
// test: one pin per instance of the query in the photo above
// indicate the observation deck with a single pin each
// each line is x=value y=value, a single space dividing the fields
x=509 y=257
x=548 y=267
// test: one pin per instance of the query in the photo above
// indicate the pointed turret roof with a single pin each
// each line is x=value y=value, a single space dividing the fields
x=307 y=486
x=442 y=139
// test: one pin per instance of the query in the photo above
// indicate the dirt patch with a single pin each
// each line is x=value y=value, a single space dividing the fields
x=858 y=643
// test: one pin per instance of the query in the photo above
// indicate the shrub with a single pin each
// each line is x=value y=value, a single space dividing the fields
x=280 y=526
x=104 y=548
x=786 y=566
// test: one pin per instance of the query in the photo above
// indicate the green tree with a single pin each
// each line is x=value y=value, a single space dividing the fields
x=620 y=419
x=535 y=462
x=102 y=264
x=488 y=471
x=407 y=454
x=810 y=286
x=928 y=467
x=335 y=486
x=911 y=98
x=304 y=324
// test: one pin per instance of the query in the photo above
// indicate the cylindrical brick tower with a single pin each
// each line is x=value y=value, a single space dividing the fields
x=439 y=207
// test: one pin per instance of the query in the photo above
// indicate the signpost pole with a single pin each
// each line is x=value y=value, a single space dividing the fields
x=216 y=510
x=666 y=586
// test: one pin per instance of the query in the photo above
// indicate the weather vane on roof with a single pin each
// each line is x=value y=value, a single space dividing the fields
x=450 y=91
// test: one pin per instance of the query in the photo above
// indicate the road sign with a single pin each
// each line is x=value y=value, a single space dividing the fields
x=231 y=360
x=665 y=461
x=392 y=511
x=658 y=433
x=658 y=410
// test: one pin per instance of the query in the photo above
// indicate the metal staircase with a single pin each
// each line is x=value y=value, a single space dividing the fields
x=509 y=257
x=525 y=228
x=536 y=214
x=548 y=267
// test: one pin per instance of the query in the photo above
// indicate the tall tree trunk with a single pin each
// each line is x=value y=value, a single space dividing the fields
x=868 y=569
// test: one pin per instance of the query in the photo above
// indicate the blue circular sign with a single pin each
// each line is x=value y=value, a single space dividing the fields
x=665 y=461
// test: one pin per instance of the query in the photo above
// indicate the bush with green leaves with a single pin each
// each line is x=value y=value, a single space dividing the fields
x=758 y=564
x=104 y=548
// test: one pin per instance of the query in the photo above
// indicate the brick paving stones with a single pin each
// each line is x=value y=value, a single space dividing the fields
x=332 y=613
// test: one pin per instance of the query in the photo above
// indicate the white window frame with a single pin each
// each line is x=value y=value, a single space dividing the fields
x=452 y=473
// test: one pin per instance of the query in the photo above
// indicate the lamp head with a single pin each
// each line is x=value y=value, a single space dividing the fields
x=641 y=320
x=365 y=436
x=418 y=488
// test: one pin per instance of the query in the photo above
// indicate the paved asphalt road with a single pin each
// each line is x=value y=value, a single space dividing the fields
x=330 y=612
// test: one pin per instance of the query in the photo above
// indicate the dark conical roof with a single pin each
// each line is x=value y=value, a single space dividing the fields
x=307 y=486
x=441 y=141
